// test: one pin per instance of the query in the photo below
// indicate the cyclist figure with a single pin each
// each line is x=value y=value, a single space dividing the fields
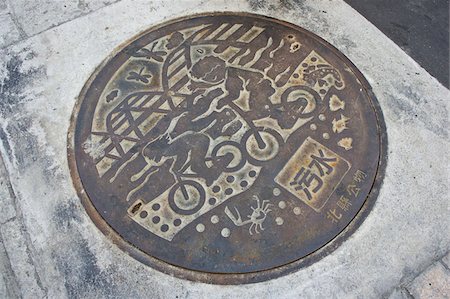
x=185 y=140
x=213 y=71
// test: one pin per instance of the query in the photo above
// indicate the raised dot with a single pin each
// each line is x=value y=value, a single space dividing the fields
x=295 y=75
x=282 y=204
x=326 y=136
x=143 y=214
x=164 y=227
x=156 y=207
x=244 y=184
x=313 y=127
x=322 y=91
x=276 y=191
x=297 y=211
x=212 y=201
x=177 y=222
x=230 y=179
x=156 y=219
x=322 y=117
x=228 y=191
x=214 y=219
x=225 y=232
x=200 y=228
x=252 y=174
x=216 y=189
x=279 y=220
x=313 y=59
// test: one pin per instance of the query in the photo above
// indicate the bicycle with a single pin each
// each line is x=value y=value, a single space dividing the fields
x=188 y=196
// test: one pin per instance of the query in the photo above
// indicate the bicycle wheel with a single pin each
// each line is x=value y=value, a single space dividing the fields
x=304 y=96
x=187 y=197
x=256 y=154
x=232 y=147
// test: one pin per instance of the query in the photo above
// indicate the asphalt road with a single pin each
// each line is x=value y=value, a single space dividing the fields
x=419 y=27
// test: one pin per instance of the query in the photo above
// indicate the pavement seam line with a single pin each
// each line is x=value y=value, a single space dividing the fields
x=26 y=37
x=410 y=281
x=408 y=293
x=22 y=33
x=444 y=265
x=15 y=285
x=19 y=218
x=407 y=280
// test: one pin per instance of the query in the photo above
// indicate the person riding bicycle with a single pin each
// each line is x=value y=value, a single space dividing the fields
x=186 y=139
x=244 y=82
x=189 y=134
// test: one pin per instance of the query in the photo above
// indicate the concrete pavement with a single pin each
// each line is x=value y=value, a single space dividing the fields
x=51 y=248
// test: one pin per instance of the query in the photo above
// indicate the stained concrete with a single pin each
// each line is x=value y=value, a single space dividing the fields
x=54 y=250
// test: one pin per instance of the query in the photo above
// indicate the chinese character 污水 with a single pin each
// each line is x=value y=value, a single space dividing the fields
x=344 y=203
x=333 y=215
x=303 y=180
x=321 y=162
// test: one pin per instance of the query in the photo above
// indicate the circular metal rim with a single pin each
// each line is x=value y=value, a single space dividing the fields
x=225 y=278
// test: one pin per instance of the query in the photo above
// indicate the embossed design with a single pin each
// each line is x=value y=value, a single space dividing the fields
x=211 y=143
x=112 y=96
x=240 y=126
x=139 y=76
x=216 y=112
x=346 y=143
x=340 y=125
x=336 y=103
x=312 y=173
x=255 y=219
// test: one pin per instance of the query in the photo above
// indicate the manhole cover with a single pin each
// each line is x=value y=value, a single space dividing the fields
x=227 y=148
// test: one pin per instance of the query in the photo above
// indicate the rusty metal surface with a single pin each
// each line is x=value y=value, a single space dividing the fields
x=227 y=148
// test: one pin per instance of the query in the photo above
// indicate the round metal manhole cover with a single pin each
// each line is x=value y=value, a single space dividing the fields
x=227 y=148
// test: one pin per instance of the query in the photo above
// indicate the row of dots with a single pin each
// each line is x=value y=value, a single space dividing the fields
x=225 y=232
x=157 y=219
x=230 y=179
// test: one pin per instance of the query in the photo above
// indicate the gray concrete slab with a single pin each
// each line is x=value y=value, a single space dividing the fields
x=39 y=15
x=8 y=282
x=446 y=260
x=10 y=33
x=42 y=76
x=3 y=7
x=20 y=259
x=399 y=293
x=7 y=204
x=432 y=283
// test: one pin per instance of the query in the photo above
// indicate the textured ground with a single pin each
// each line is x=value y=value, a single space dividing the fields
x=49 y=246
x=419 y=27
